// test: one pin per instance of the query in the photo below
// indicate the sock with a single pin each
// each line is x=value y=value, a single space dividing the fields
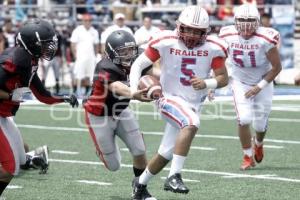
x=57 y=86
x=248 y=152
x=258 y=143
x=145 y=177
x=177 y=164
x=2 y=186
x=137 y=172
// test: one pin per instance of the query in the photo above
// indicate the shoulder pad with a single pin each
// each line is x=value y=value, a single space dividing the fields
x=227 y=31
x=269 y=34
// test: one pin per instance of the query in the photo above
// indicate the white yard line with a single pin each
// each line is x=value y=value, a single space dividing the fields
x=203 y=148
x=65 y=152
x=272 y=177
x=78 y=130
x=14 y=187
x=273 y=147
x=93 y=182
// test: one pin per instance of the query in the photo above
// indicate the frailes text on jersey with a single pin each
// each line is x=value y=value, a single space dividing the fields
x=244 y=46
x=179 y=52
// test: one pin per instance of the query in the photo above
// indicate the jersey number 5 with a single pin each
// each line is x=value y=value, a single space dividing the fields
x=240 y=62
x=187 y=73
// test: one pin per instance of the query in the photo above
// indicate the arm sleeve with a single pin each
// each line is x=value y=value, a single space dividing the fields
x=3 y=77
x=141 y=63
x=42 y=94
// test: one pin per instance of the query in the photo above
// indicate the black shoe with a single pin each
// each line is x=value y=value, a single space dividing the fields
x=140 y=191
x=175 y=184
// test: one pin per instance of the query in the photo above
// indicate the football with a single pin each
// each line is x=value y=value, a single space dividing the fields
x=153 y=84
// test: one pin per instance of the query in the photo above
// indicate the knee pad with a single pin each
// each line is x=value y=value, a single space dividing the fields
x=244 y=120
x=112 y=161
x=141 y=150
x=167 y=153
x=260 y=126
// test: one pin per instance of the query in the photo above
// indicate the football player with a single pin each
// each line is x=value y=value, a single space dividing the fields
x=255 y=62
x=18 y=65
x=187 y=57
x=106 y=109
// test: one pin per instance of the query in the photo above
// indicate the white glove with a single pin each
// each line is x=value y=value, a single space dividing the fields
x=18 y=94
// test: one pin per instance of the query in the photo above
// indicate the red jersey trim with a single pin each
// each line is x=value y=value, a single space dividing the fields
x=220 y=45
x=266 y=38
x=152 y=54
x=218 y=62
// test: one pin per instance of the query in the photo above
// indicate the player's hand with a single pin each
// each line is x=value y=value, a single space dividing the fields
x=18 y=94
x=252 y=92
x=141 y=95
x=72 y=100
x=211 y=94
x=198 y=83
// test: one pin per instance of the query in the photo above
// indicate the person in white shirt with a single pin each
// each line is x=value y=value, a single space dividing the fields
x=255 y=62
x=145 y=33
x=84 y=44
x=119 y=24
x=187 y=56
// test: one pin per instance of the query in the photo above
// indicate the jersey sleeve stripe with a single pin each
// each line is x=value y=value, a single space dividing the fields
x=266 y=38
x=218 y=62
x=152 y=54
x=220 y=45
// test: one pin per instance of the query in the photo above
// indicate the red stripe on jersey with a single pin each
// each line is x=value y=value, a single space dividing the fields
x=220 y=45
x=7 y=158
x=162 y=38
x=96 y=102
x=93 y=135
x=9 y=65
x=152 y=54
x=266 y=38
x=228 y=34
x=172 y=118
x=218 y=62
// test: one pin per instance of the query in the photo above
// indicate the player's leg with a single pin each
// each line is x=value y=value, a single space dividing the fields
x=263 y=104
x=56 y=65
x=157 y=162
x=102 y=132
x=128 y=130
x=12 y=152
x=244 y=113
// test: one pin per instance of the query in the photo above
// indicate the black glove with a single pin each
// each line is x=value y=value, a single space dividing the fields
x=72 y=100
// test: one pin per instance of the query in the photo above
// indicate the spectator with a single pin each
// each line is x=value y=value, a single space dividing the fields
x=2 y=41
x=145 y=32
x=84 y=44
x=119 y=24
x=9 y=33
x=266 y=20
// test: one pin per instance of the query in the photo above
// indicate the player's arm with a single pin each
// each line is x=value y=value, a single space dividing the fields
x=44 y=96
x=274 y=58
x=219 y=80
x=3 y=76
x=146 y=59
x=121 y=89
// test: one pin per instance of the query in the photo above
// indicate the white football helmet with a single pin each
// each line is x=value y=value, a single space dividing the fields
x=193 y=26
x=246 y=18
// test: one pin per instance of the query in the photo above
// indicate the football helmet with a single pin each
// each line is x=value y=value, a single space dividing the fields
x=39 y=39
x=246 y=18
x=193 y=26
x=121 y=48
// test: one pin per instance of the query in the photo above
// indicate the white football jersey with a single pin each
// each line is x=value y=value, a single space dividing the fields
x=247 y=58
x=179 y=64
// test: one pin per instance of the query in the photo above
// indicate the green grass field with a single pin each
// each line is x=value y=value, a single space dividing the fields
x=212 y=168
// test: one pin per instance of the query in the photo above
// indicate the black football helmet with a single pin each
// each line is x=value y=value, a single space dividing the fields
x=39 y=39
x=121 y=48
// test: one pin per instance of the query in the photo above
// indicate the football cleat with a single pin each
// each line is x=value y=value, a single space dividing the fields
x=140 y=191
x=175 y=184
x=40 y=159
x=247 y=163
x=258 y=153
